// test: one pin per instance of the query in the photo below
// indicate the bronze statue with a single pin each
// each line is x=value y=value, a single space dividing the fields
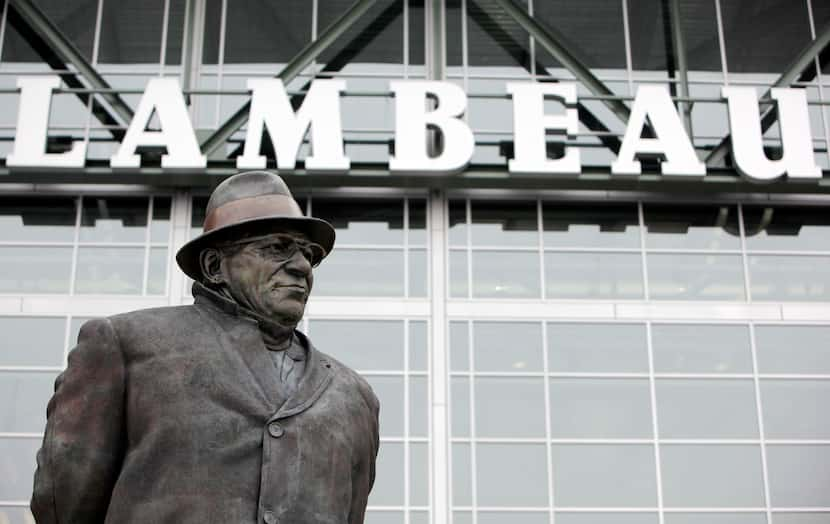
x=220 y=412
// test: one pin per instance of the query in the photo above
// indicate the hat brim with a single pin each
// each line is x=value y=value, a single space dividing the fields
x=317 y=230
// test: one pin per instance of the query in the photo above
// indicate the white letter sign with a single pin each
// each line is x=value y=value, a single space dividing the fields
x=530 y=124
x=32 y=125
x=271 y=109
x=796 y=139
x=654 y=103
x=164 y=97
x=412 y=121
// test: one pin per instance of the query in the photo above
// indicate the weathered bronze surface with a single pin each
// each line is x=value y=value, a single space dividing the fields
x=220 y=412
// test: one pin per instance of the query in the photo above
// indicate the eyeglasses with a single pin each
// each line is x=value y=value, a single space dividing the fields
x=281 y=247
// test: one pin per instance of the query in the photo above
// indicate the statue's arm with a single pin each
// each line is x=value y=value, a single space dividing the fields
x=83 y=446
x=365 y=473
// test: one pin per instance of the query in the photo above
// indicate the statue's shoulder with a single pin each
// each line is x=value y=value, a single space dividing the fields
x=350 y=378
x=156 y=316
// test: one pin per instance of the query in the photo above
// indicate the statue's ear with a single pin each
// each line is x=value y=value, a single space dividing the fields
x=210 y=260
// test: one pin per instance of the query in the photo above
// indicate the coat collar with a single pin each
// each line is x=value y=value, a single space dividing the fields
x=240 y=335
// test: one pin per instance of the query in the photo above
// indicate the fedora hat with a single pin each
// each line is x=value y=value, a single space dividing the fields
x=251 y=204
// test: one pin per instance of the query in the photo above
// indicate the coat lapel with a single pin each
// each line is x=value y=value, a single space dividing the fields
x=315 y=380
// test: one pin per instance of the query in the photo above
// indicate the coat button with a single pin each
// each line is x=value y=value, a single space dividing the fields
x=269 y=517
x=276 y=431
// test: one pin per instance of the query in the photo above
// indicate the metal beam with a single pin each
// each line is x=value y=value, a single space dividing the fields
x=679 y=47
x=294 y=67
x=68 y=53
x=803 y=63
x=553 y=45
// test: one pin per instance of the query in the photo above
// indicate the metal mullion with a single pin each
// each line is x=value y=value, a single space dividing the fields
x=96 y=45
x=74 y=267
x=721 y=43
x=3 y=27
x=744 y=256
x=652 y=386
x=406 y=64
x=406 y=248
x=406 y=424
x=760 y=414
x=468 y=214
x=679 y=45
x=220 y=66
x=819 y=79
x=165 y=21
x=643 y=255
x=548 y=431
x=472 y=403
x=628 y=60
x=146 y=270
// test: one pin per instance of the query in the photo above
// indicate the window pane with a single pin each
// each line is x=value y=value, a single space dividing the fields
x=29 y=341
x=696 y=348
x=157 y=271
x=75 y=20
x=417 y=222
x=600 y=408
x=799 y=475
x=17 y=462
x=511 y=475
x=748 y=30
x=419 y=474
x=509 y=407
x=418 y=273
x=114 y=219
x=109 y=270
x=390 y=468
x=36 y=219
x=418 y=400
x=712 y=476
x=700 y=408
x=35 y=269
x=502 y=274
x=250 y=36
x=648 y=33
x=25 y=395
x=687 y=227
x=461 y=475
x=389 y=391
x=695 y=277
x=507 y=346
x=356 y=272
x=606 y=518
x=801 y=518
x=460 y=408
x=593 y=275
x=504 y=224
x=494 y=39
x=131 y=32
x=384 y=517
x=789 y=278
x=778 y=354
x=418 y=345
x=16 y=515
x=591 y=225
x=787 y=228
x=385 y=46
x=363 y=221
x=717 y=518
x=364 y=345
x=796 y=408
x=458 y=274
x=513 y=517
x=160 y=228
x=602 y=475
x=457 y=233
x=590 y=347
x=459 y=347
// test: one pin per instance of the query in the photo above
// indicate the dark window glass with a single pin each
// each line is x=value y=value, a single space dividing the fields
x=650 y=34
x=131 y=31
x=763 y=35
x=269 y=32
x=821 y=17
x=591 y=29
x=33 y=219
x=591 y=225
x=376 y=38
x=691 y=227
x=359 y=221
x=416 y=32
x=698 y=21
x=504 y=223
x=114 y=219
x=787 y=228
x=175 y=32
x=494 y=38
x=453 y=21
x=213 y=27
x=76 y=20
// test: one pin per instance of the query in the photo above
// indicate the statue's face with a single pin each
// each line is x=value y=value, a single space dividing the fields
x=272 y=275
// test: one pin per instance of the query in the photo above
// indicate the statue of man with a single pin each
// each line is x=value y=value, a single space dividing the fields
x=220 y=412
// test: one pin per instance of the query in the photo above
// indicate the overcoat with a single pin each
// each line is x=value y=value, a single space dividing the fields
x=168 y=416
